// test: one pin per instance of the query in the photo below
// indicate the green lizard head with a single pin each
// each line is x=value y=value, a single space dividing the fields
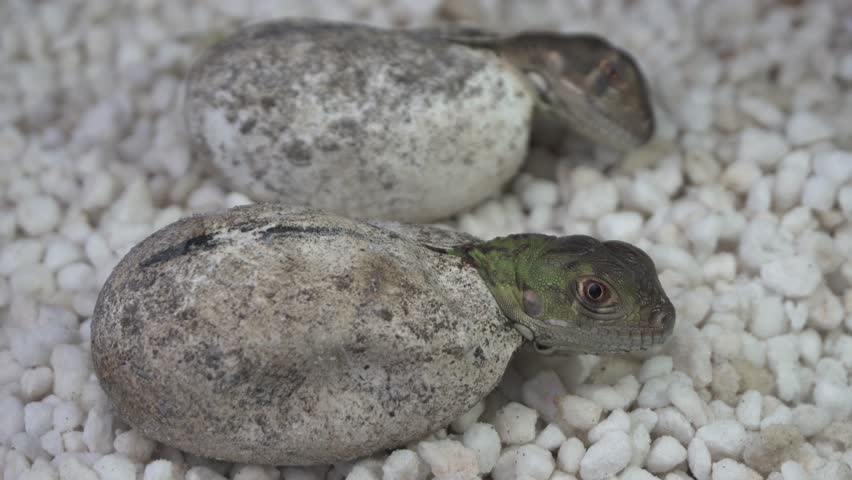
x=575 y=294
x=593 y=87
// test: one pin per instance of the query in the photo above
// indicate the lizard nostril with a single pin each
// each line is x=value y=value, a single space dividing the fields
x=659 y=320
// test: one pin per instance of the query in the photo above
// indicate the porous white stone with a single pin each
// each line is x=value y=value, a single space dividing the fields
x=527 y=461
x=570 y=454
x=654 y=393
x=515 y=423
x=769 y=318
x=792 y=470
x=449 y=459
x=724 y=438
x=36 y=382
x=762 y=147
x=698 y=458
x=539 y=192
x=115 y=466
x=71 y=468
x=38 y=418
x=38 y=215
x=67 y=415
x=617 y=421
x=761 y=110
x=71 y=369
x=794 y=277
x=740 y=176
x=61 y=253
x=835 y=165
x=834 y=399
x=625 y=226
x=404 y=464
x=807 y=127
x=134 y=446
x=819 y=193
x=607 y=457
x=749 y=409
x=666 y=453
x=483 y=439
x=205 y=473
x=685 y=399
x=655 y=367
x=550 y=437
x=97 y=431
x=12 y=420
x=542 y=392
x=611 y=397
x=578 y=412
x=254 y=472
x=729 y=469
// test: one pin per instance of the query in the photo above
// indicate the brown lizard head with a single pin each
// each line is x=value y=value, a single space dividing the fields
x=595 y=88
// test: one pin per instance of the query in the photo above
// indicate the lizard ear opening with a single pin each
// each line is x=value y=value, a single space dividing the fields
x=532 y=304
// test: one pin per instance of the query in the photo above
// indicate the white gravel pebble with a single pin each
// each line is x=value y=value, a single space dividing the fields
x=38 y=215
x=515 y=423
x=542 y=393
x=666 y=453
x=134 y=446
x=485 y=442
x=617 y=421
x=819 y=193
x=449 y=459
x=835 y=165
x=404 y=464
x=806 y=127
x=625 y=226
x=71 y=468
x=698 y=458
x=116 y=467
x=36 y=382
x=67 y=416
x=724 y=438
x=579 y=413
x=527 y=461
x=550 y=437
x=749 y=409
x=687 y=401
x=607 y=457
x=728 y=469
x=570 y=454
x=762 y=147
x=794 y=277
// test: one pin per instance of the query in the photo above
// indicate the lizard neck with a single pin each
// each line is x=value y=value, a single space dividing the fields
x=502 y=263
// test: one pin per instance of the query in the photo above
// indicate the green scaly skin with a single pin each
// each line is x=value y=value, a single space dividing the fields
x=590 y=86
x=542 y=283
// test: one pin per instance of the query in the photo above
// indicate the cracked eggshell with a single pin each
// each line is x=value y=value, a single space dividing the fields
x=357 y=120
x=281 y=335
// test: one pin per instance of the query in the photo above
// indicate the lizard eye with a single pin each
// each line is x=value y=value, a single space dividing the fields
x=595 y=292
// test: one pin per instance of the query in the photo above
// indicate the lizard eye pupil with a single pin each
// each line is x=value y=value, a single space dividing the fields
x=595 y=290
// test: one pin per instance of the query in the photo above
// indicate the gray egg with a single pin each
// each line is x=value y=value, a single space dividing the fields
x=357 y=120
x=288 y=336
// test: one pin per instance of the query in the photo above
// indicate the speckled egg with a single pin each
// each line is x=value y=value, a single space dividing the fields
x=357 y=120
x=288 y=336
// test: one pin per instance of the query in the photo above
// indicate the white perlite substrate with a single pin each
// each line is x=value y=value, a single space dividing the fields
x=744 y=201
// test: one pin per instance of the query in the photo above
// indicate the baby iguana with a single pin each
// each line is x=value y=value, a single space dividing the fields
x=574 y=294
x=592 y=87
